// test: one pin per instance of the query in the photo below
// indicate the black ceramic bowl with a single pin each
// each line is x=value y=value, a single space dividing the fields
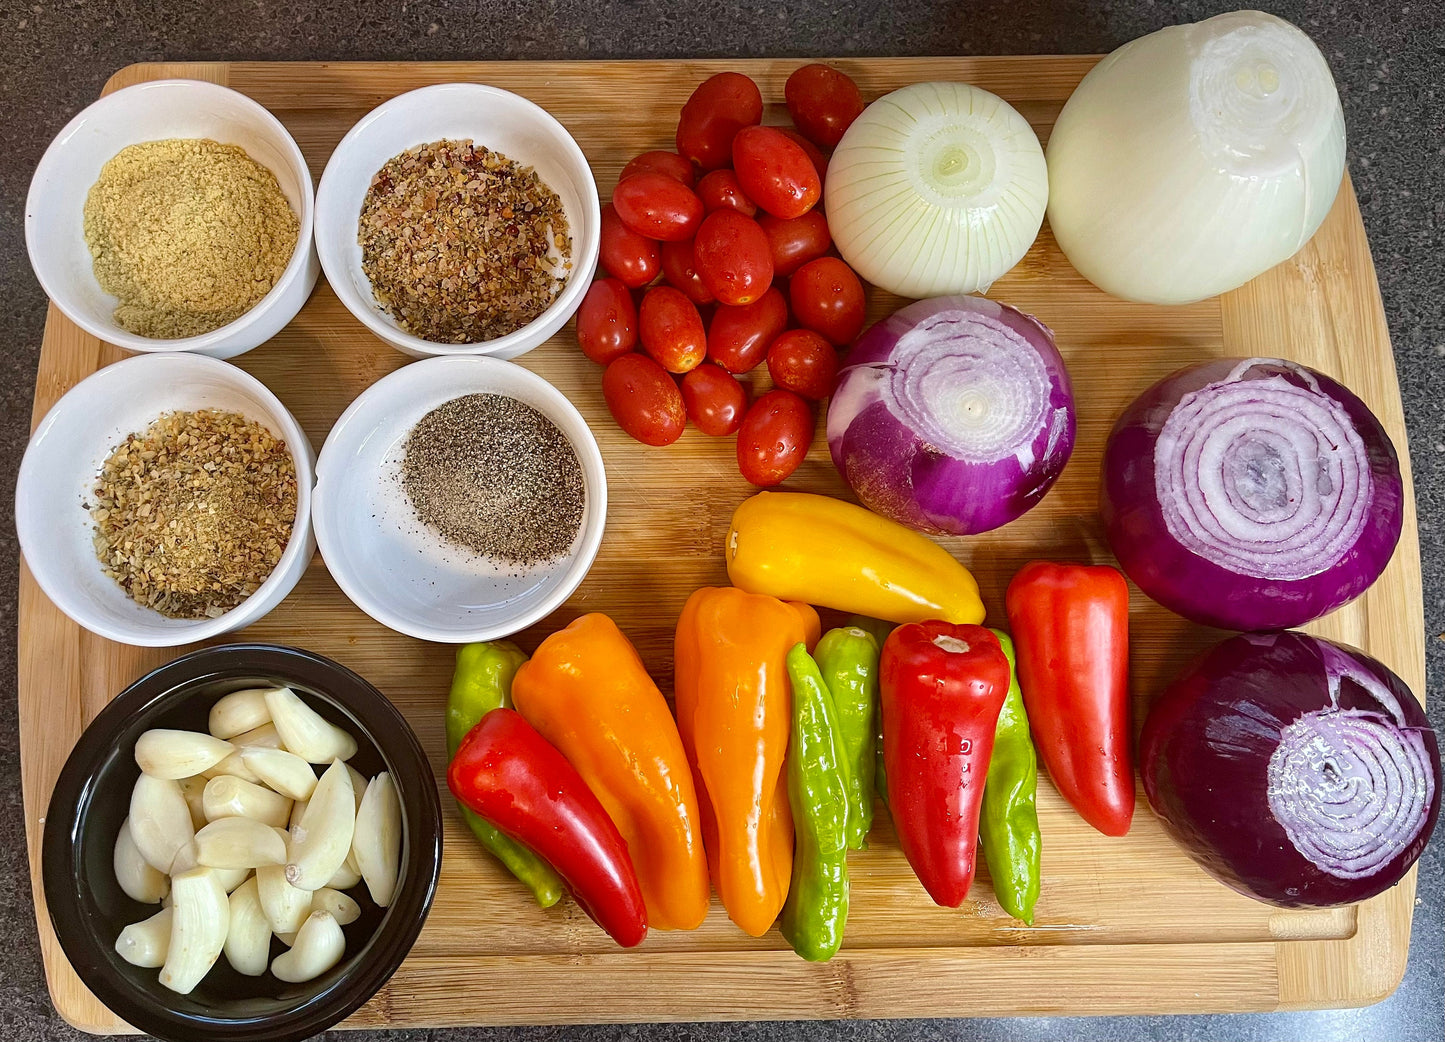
x=92 y=798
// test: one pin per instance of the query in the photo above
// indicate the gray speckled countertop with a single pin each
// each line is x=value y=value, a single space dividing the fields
x=1387 y=57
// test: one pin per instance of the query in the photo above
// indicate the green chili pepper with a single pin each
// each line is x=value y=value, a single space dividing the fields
x=880 y=631
x=817 y=906
x=483 y=682
x=848 y=660
x=1009 y=826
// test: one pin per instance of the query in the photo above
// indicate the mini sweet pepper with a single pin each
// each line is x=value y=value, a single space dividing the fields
x=847 y=659
x=734 y=713
x=588 y=693
x=1008 y=829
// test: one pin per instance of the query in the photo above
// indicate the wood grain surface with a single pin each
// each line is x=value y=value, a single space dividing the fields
x=1125 y=925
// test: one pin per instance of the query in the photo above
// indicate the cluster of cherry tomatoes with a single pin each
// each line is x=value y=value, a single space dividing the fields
x=730 y=221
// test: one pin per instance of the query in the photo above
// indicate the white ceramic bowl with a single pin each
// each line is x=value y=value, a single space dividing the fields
x=387 y=562
x=66 y=453
x=494 y=118
x=54 y=219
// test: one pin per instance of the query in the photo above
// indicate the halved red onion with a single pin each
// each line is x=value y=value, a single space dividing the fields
x=953 y=415
x=1294 y=769
x=1251 y=494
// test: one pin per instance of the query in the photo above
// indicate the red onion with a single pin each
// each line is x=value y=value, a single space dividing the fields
x=1294 y=769
x=953 y=415
x=1251 y=494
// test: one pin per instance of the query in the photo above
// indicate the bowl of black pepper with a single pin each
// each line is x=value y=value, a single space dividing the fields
x=459 y=219
x=459 y=499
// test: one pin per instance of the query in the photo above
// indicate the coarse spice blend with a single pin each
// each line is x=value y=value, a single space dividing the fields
x=496 y=477
x=187 y=234
x=193 y=513
x=461 y=244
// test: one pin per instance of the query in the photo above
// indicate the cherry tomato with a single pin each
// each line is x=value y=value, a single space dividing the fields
x=624 y=254
x=823 y=102
x=803 y=362
x=671 y=329
x=720 y=190
x=815 y=154
x=679 y=269
x=720 y=107
x=738 y=336
x=644 y=400
x=715 y=400
x=733 y=258
x=775 y=172
x=774 y=437
x=794 y=241
x=657 y=206
x=659 y=162
x=828 y=298
x=607 y=321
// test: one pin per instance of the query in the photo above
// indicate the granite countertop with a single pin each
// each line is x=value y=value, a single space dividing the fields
x=1387 y=57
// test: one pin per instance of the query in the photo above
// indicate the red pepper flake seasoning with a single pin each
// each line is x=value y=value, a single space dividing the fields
x=496 y=477
x=461 y=244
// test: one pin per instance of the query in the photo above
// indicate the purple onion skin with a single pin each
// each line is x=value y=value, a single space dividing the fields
x=1199 y=589
x=897 y=473
x=1205 y=754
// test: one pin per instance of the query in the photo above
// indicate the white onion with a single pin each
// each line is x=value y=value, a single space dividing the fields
x=936 y=189
x=1193 y=159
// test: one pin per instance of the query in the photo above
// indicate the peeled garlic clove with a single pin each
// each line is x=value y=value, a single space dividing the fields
x=164 y=753
x=322 y=838
x=306 y=732
x=248 y=937
x=298 y=810
x=318 y=946
x=239 y=843
x=232 y=767
x=202 y=918
x=376 y=841
x=358 y=784
x=285 y=772
x=347 y=876
x=285 y=906
x=264 y=737
x=160 y=821
x=231 y=878
x=136 y=876
x=343 y=907
x=187 y=858
x=239 y=712
x=145 y=943
x=227 y=796
x=193 y=789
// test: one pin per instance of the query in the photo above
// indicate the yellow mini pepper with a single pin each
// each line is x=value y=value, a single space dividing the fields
x=803 y=547
x=734 y=711
x=588 y=693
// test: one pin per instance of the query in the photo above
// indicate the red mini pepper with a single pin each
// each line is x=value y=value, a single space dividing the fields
x=942 y=687
x=1070 y=627
x=508 y=773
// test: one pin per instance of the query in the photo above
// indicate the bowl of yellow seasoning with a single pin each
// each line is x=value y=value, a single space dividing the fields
x=174 y=215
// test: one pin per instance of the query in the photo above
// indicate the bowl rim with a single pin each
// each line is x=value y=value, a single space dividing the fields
x=337 y=272
x=396 y=384
x=76 y=607
x=406 y=915
x=112 y=333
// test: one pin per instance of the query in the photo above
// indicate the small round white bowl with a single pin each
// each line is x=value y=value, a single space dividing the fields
x=490 y=117
x=54 y=209
x=65 y=456
x=391 y=566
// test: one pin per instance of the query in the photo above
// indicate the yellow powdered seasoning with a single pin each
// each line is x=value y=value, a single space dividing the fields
x=187 y=234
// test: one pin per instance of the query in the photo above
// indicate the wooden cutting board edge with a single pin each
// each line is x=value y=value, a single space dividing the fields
x=1097 y=979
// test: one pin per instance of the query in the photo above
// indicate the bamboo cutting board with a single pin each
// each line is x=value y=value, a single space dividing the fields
x=1123 y=926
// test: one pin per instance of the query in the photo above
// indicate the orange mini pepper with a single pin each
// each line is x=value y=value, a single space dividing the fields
x=734 y=711
x=589 y=694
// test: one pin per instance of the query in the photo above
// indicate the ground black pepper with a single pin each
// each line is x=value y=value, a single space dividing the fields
x=493 y=475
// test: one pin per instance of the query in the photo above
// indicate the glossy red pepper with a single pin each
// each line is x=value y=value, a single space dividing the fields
x=512 y=777
x=1070 y=626
x=942 y=687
